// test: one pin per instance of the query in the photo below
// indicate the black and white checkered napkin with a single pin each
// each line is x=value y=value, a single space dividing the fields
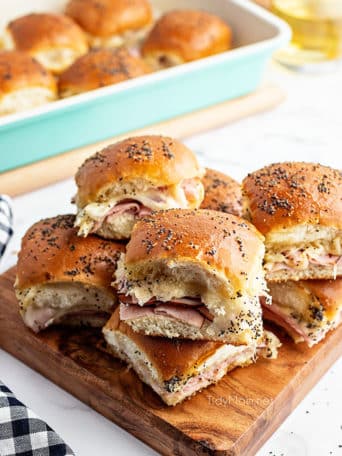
x=21 y=431
x=6 y=219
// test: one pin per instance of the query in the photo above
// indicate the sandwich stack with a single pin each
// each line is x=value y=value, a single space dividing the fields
x=298 y=208
x=159 y=256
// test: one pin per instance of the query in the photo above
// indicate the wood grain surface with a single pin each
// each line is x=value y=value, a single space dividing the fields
x=233 y=417
x=46 y=172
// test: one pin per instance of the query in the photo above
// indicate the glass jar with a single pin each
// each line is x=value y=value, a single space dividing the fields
x=317 y=31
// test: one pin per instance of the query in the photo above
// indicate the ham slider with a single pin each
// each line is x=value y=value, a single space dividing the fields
x=306 y=309
x=298 y=208
x=112 y=23
x=178 y=368
x=221 y=193
x=62 y=278
x=24 y=83
x=193 y=274
x=100 y=68
x=52 y=39
x=129 y=179
x=181 y=36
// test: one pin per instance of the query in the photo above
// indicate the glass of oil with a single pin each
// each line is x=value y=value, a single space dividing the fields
x=316 y=32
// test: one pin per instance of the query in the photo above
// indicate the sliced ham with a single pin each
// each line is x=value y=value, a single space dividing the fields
x=190 y=187
x=181 y=313
x=275 y=314
x=189 y=316
x=297 y=257
x=239 y=356
x=279 y=267
x=129 y=312
x=40 y=318
x=325 y=260
x=127 y=207
x=124 y=207
x=193 y=302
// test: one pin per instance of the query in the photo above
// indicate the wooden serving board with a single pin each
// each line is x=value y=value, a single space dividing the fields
x=233 y=417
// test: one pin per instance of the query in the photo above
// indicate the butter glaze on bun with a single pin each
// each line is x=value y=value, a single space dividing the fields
x=298 y=207
x=24 y=83
x=181 y=36
x=131 y=178
x=64 y=278
x=221 y=193
x=193 y=274
x=100 y=68
x=53 y=39
x=111 y=22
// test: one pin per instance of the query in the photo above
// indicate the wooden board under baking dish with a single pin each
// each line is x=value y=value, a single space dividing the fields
x=233 y=417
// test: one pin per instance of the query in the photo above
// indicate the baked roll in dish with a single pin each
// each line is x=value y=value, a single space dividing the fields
x=131 y=178
x=53 y=39
x=221 y=193
x=100 y=68
x=194 y=274
x=306 y=309
x=178 y=368
x=24 y=83
x=184 y=35
x=112 y=23
x=62 y=278
x=298 y=207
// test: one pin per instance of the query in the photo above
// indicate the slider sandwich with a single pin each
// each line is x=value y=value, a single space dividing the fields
x=193 y=274
x=62 y=278
x=298 y=208
x=52 y=39
x=24 y=83
x=306 y=309
x=100 y=68
x=129 y=179
x=181 y=36
x=221 y=193
x=112 y=23
x=178 y=368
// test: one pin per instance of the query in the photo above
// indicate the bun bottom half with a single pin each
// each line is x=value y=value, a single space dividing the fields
x=177 y=369
x=67 y=303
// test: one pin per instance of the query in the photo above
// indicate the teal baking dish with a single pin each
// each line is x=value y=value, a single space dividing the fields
x=84 y=119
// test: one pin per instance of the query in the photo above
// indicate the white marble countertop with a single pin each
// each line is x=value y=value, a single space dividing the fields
x=307 y=127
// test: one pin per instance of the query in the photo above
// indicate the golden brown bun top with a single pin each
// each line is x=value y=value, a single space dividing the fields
x=191 y=34
x=160 y=160
x=171 y=357
x=210 y=239
x=20 y=71
x=52 y=252
x=44 y=32
x=99 y=68
x=221 y=193
x=109 y=17
x=285 y=194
